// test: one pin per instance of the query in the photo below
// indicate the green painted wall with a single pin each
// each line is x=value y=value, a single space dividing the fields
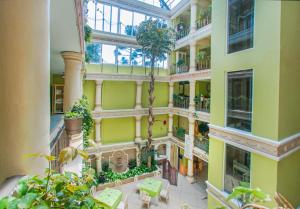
x=212 y=202
x=186 y=89
x=264 y=175
x=216 y=167
x=112 y=68
x=201 y=88
x=57 y=79
x=159 y=128
x=263 y=58
x=118 y=95
x=116 y=130
x=182 y=122
x=89 y=90
x=289 y=178
x=289 y=114
x=161 y=94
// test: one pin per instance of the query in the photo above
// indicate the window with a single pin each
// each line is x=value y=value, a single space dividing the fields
x=124 y=55
x=93 y=51
x=109 y=54
x=237 y=168
x=126 y=22
x=239 y=100
x=240 y=28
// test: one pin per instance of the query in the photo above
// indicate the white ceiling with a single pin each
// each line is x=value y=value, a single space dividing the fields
x=64 y=35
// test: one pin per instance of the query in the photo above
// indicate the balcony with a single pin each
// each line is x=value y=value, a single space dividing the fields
x=181 y=101
x=202 y=143
x=179 y=69
x=200 y=23
x=202 y=104
x=182 y=33
x=179 y=133
x=203 y=65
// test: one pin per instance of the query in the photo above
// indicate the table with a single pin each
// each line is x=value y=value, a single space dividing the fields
x=151 y=186
x=110 y=198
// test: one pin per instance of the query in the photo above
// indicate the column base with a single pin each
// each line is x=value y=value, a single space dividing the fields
x=190 y=179
x=138 y=140
x=98 y=109
x=138 y=107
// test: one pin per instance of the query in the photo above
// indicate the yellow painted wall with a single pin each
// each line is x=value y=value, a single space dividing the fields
x=161 y=93
x=118 y=95
x=159 y=128
x=289 y=103
x=116 y=130
x=201 y=88
x=216 y=159
x=289 y=178
x=264 y=175
x=212 y=202
x=263 y=58
x=89 y=89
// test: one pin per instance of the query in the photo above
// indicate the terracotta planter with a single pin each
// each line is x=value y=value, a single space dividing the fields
x=73 y=126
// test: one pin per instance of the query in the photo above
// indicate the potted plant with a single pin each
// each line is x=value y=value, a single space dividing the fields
x=73 y=122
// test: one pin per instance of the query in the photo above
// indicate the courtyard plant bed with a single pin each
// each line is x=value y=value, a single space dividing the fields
x=112 y=179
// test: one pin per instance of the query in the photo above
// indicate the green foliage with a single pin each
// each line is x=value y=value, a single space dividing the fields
x=72 y=115
x=92 y=53
x=203 y=54
x=56 y=190
x=82 y=108
x=156 y=39
x=180 y=132
x=132 y=163
x=105 y=166
x=87 y=33
x=180 y=63
x=246 y=195
x=110 y=176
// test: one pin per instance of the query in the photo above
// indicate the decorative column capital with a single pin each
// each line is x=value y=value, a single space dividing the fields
x=138 y=118
x=139 y=83
x=98 y=120
x=99 y=82
x=170 y=115
x=194 y=2
x=72 y=56
x=191 y=120
x=171 y=84
x=193 y=43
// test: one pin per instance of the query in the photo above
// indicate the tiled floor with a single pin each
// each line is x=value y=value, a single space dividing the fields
x=192 y=194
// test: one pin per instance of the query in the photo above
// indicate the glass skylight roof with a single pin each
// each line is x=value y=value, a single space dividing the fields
x=166 y=4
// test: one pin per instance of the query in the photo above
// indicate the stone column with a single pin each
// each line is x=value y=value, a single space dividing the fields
x=98 y=99
x=171 y=92
x=137 y=155
x=98 y=130
x=170 y=133
x=192 y=95
x=194 y=6
x=98 y=162
x=73 y=88
x=138 y=137
x=190 y=172
x=138 y=100
x=193 y=52
x=24 y=81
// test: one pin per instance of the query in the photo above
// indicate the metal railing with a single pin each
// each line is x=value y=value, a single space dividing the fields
x=179 y=133
x=182 y=33
x=181 y=101
x=59 y=142
x=203 y=65
x=201 y=143
x=202 y=104
x=200 y=23
x=179 y=69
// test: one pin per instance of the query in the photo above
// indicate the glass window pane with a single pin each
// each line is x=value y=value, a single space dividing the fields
x=137 y=19
x=241 y=24
x=93 y=51
x=114 y=20
x=99 y=17
x=108 y=54
x=126 y=22
x=239 y=101
x=123 y=55
x=237 y=168
x=137 y=57
x=107 y=16
x=91 y=14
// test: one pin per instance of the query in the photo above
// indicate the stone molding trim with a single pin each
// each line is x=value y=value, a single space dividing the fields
x=269 y=148
x=79 y=22
x=124 y=77
x=129 y=112
x=111 y=38
x=197 y=75
x=100 y=148
x=220 y=196
x=198 y=115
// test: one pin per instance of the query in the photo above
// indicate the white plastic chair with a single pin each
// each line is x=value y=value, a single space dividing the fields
x=145 y=199
x=123 y=204
x=164 y=194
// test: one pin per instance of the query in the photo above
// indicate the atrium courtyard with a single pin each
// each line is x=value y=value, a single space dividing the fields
x=127 y=104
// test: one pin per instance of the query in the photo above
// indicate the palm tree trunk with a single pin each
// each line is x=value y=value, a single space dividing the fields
x=150 y=111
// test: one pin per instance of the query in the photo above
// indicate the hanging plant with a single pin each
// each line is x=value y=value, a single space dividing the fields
x=87 y=33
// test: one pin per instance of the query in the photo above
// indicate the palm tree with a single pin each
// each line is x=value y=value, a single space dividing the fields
x=156 y=40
